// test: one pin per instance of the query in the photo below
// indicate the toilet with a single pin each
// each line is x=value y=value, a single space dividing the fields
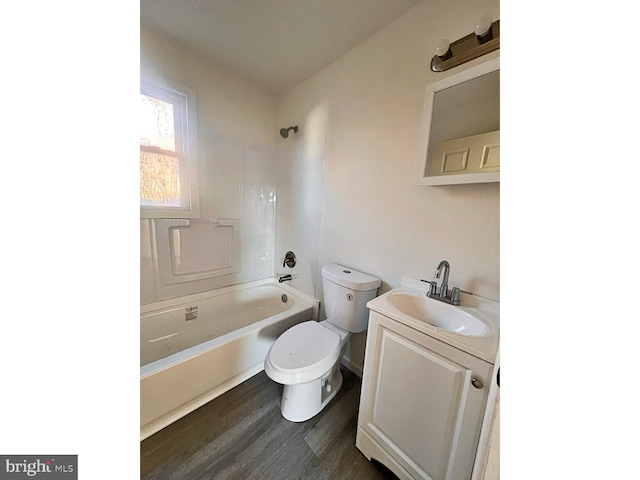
x=306 y=357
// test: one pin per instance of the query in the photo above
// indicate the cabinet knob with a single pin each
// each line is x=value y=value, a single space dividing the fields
x=476 y=383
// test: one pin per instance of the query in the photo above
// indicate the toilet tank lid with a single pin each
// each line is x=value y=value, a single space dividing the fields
x=350 y=278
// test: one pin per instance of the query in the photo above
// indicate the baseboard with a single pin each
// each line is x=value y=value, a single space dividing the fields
x=357 y=369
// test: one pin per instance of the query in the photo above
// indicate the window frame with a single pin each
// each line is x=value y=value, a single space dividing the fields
x=184 y=101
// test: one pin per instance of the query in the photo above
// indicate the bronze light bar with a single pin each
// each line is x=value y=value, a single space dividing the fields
x=467 y=48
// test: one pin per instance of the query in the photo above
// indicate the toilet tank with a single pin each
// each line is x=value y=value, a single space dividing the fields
x=346 y=293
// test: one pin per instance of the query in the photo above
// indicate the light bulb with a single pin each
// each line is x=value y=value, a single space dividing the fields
x=484 y=25
x=442 y=48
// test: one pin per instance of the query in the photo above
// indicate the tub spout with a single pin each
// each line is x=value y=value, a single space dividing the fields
x=284 y=278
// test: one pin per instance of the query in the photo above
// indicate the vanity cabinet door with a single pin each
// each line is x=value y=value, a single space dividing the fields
x=422 y=401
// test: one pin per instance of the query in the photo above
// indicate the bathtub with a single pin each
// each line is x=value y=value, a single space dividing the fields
x=195 y=348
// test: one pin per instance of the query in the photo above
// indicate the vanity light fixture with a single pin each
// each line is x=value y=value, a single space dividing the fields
x=443 y=50
x=484 y=39
x=483 y=28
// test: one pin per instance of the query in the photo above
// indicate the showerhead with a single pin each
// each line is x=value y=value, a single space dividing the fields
x=285 y=131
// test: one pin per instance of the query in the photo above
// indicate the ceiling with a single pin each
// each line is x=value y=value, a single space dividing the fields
x=273 y=44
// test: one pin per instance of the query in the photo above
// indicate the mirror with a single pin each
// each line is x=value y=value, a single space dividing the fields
x=460 y=136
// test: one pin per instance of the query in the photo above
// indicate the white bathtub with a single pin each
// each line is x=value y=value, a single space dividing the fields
x=195 y=348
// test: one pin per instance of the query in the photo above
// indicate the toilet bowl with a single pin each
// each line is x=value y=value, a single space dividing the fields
x=306 y=358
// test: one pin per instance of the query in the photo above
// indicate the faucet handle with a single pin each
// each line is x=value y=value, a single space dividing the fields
x=289 y=259
x=455 y=295
x=432 y=286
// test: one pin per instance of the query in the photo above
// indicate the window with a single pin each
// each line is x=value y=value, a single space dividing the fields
x=168 y=161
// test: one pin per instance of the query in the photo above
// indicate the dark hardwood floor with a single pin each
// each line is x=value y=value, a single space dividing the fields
x=242 y=435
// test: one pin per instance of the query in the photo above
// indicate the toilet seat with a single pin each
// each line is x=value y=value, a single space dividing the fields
x=303 y=353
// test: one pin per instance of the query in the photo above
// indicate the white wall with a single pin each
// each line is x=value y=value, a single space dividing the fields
x=368 y=105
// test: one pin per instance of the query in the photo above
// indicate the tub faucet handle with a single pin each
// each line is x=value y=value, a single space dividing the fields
x=289 y=259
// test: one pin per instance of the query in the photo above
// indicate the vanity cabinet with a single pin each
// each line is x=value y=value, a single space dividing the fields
x=422 y=403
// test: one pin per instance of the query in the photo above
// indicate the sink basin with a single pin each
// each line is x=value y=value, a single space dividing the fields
x=439 y=314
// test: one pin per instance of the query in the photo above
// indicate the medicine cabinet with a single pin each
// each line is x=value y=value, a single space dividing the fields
x=460 y=133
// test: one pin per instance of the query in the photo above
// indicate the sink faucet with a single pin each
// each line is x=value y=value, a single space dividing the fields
x=444 y=287
x=452 y=297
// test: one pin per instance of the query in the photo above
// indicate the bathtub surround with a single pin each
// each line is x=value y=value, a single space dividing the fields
x=233 y=240
x=300 y=172
x=236 y=146
x=250 y=191
x=249 y=186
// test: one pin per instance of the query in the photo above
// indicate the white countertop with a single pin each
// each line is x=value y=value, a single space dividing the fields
x=484 y=347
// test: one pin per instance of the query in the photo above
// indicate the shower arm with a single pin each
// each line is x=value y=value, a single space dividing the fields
x=284 y=132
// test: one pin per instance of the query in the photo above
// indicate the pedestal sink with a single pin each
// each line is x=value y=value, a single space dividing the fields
x=439 y=314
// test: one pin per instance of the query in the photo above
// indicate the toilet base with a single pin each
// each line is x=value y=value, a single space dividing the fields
x=302 y=401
